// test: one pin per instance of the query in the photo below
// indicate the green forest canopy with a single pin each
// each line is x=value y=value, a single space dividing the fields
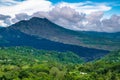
x=26 y=63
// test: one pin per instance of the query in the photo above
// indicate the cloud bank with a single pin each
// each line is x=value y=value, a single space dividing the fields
x=85 y=16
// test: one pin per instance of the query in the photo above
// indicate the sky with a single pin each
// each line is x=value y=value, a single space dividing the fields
x=80 y=15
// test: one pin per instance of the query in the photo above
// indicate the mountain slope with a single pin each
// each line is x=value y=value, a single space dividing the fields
x=12 y=37
x=113 y=57
x=25 y=63
x=107 y=68
x=44 y=28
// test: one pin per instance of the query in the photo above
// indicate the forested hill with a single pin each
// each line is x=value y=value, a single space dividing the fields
x=28 y=55
x=26 y=63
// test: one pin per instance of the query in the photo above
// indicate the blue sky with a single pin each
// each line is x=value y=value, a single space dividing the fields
x=87 y=15
x=114 y=4
x=72 y=1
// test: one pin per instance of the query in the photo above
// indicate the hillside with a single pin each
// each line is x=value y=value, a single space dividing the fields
x=106 y=68
x=12 y=37
x=28 y=55
x=42 y=27
x=113 y=57
x=26 y=63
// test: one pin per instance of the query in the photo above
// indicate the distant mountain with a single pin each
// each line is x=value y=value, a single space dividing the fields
x=13 y=37
x=42 y=27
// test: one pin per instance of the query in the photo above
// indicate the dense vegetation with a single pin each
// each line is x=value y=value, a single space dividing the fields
x=25 y=63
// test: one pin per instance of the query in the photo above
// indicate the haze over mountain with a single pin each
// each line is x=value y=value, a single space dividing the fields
x=42 y=27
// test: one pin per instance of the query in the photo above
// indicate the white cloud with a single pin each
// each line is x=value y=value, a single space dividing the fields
x=28 y=6
x=71 y=19
x=2 y=24
x=112 y=24
x=86 y=16
x=4 y=20
x=65 y=16
x=86 y=7
x=21 y=16
x=12 y=7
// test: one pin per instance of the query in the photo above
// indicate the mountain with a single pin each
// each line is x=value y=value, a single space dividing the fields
x=42 y=27
x=13 y=37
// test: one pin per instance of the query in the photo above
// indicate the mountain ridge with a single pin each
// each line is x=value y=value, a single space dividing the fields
x=11 y=37
x=42 y=27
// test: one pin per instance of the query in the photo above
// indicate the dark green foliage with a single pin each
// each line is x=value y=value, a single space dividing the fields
x=25 y=55
x=113 y=57
x=25 y=63
x=107 y=68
